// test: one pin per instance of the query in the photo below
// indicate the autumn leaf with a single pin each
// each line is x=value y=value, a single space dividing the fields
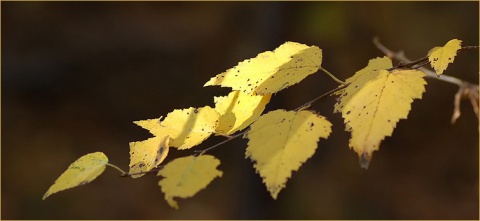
x=281 y=141
x=440 y=57
x=238 y=110
x=184 y=177
x=186 y=127
x=148 y=154
x=84 y=170
x=271 y=71
x=375 y=101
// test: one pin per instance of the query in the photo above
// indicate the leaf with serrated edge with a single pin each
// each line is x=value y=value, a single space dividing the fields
x=238 y=110
x=375 y=101
x=281 y=141
x=148 y=154
x=440 y=57
x=84 y=170
x=271 y=71
x=186 y=127
x=184 y=177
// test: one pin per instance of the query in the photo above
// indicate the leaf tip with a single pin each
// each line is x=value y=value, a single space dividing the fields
x=172 y=203
x=365 y=160
x=45 y=196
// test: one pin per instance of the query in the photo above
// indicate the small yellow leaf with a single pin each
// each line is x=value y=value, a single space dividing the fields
x=82 y=171
x=375 y=101
x=148 y=154
x=440 y=57
x=187 y=127
x=238 y=110
x=281 y=141
x=271 y=72
x=184 y=177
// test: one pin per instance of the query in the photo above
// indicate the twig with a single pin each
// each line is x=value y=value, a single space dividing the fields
x=407 y=62
x=466 y=89
x=154 y=170
x=201 y=152
x=304 y=106
x=308 y=104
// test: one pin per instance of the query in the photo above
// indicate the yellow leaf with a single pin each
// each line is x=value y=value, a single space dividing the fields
x=375 y=101
x=185 y=176
x=280 y=141
x=82 y=171
x=148 y=154
x=440 y=57
x=187 y=127
x=374 y=65
x=271 y=72
x=238 y=110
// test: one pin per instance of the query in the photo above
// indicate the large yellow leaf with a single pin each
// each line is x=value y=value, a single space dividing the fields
x=271 y=72
x=374 y=65
x=148 y=154
x=187 y=127
x=375 y=101
x=184 y=177
x=440 y=57
x=281 y=141
x=238 y=110
x=82 y=171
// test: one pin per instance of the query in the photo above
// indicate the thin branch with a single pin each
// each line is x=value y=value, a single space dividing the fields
x=201 y=152
x=402 y=58
x=308 y=104
x=304 y=106
x=422 y=61
x=154 y=170
x=456 y=104
x=466 y=89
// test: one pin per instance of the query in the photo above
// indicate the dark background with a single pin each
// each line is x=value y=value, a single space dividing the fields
x=75 y=75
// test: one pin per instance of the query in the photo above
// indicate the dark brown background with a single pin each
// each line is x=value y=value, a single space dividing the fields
x=75 y=76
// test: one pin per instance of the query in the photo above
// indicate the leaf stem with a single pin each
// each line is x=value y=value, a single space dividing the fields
x=117 y=168
x=331 y=76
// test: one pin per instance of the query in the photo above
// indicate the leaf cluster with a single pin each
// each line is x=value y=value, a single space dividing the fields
x=371 y=103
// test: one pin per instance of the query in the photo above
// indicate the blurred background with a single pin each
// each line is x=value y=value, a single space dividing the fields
x=76 y=74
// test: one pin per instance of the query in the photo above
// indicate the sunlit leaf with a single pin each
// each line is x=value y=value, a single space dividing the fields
x=440 y=57
x=238 y=110
x=271 y=71
x=281 y=141
x=186 y=127
x=82 y=171
x=375 y=101
x=148 y=154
